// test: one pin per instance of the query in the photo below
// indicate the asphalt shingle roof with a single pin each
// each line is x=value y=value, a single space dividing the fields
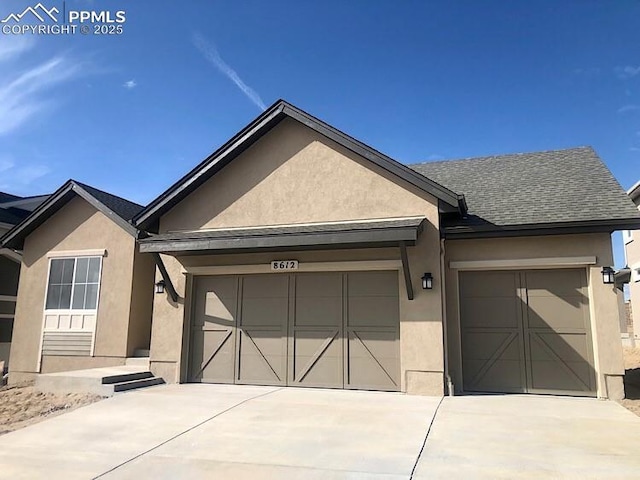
x=118 y=205
x=571 y=185
x=7 y=197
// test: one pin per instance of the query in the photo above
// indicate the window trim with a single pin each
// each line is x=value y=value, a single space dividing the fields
x=71 y=310
x=83 y=253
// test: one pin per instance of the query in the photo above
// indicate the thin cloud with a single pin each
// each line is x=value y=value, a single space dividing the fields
x=17 y=179
x=628 y=108
x=130 y=84
x=628 y=71
x=21 y=93
x=13 y=46
x=211 y=54
x=634 y=149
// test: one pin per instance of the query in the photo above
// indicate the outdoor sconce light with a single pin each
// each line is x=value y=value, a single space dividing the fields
x=608 y=275
x=427 y=281
x=159 y=287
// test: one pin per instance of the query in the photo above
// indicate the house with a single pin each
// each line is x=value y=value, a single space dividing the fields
x=296 y=255
x=84 y=299
x=631 y=240
x=13 y=210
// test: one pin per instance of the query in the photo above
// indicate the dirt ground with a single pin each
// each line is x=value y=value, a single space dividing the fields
x=632 y=379
x=23 y=405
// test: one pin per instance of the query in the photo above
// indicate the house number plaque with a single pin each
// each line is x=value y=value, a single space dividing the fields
x=284 y=265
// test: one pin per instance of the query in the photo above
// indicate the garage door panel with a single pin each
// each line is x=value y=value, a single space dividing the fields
x=491 y=359
x=265 y=286
x=483 y=345
x=561 y=283
x=264 y=311
x=318 y=311
x=487 y=312
x=373 y=311
x=372 y=360
x=570 y=347
x=261 y=357
x=488 y=284
x=372 y=284
x=323 y=284
x=212 y=354
x=557 y=313
x=317 y=359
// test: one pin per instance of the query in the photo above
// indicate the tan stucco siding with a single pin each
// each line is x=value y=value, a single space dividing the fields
x=76 y=226
x=294 y=175
x=141 y=303
x=603 y=301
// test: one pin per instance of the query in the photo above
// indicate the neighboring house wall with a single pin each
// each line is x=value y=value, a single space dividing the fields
x=9 y=274
x=603 y=303
x=632 y=250
x=290 y=176
x=79 y=227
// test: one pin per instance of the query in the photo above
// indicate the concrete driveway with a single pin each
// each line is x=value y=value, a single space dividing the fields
x=226 y=431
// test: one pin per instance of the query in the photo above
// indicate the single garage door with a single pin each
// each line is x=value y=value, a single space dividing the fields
x=526 y=332
x=333 y=330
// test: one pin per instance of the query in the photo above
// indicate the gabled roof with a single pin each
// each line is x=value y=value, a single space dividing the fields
x=536 y=191
x=118 y=209
x=449 y=200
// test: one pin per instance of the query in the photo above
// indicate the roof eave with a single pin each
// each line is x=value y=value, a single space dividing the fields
x=560 y=228
x=14 y=238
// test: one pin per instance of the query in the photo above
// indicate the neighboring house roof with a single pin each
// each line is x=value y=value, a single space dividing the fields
x=7 y=197
x=118 y=209
x=449 y=200
x=509 y=194
x=634 y=193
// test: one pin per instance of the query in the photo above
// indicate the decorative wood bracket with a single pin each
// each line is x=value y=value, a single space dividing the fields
x=405 y=269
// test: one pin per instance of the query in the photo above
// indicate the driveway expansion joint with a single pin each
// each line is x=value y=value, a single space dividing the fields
x=424 y=443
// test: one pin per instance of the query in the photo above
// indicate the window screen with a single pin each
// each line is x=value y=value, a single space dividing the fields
x=73 y=283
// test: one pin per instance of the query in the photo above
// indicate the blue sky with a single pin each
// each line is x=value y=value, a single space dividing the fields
x=417 y=80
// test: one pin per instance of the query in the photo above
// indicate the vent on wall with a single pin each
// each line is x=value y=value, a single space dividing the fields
x=67 y=344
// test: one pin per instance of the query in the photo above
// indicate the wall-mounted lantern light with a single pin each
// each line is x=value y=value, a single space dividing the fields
x=159 y=286
x=608 y=275
x=427 y=281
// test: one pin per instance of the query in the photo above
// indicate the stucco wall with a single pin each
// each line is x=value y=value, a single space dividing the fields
x=603 y=299
x=76 y=226
x=141 y=303
x=293 y=175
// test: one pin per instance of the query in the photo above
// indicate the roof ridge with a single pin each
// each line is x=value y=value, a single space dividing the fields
x=85 y=185
x=503 y=155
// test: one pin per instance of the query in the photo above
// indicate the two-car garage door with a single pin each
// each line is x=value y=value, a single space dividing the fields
x=526 y=332
x=335 y=330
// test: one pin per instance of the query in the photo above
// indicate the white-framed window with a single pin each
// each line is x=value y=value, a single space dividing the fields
x=73 y=283
x=627 y=236
x=635 y=273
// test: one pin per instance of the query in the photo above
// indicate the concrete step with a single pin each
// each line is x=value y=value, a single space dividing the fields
x=137 y=361
x=125 y=377
x=99 y=381
x=140 y=383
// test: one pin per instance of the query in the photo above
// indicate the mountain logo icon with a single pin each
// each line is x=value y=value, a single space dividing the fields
x=39 y=11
